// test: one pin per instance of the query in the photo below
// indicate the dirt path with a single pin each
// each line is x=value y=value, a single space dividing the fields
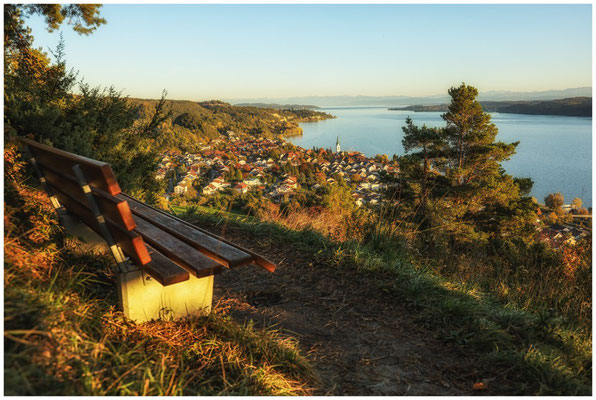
x=358 y=344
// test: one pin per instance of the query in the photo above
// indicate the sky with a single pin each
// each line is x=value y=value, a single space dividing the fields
x=201 y=51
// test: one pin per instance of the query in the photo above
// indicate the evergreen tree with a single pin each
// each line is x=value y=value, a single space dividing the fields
x=472 y=197
x=473 y=154
x=97 y=123
x=429 y=146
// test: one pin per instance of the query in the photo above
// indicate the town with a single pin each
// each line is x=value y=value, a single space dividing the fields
x=274 y=168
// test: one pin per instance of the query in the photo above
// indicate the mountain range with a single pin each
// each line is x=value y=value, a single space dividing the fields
x=395 y=101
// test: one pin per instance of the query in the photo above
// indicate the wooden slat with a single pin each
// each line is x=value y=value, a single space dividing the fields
x=213 y=248
x=200 y=237
x=163 y=269
x=130 y=242
x=115 y=209
x=99 y=174
x=177 y=250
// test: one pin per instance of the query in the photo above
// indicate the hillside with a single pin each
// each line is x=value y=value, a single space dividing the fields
x=376 y=321
x=190 y=123
x=350 y=317
x=574 y=106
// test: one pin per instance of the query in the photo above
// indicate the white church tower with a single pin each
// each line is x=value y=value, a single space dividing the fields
x=337 y=148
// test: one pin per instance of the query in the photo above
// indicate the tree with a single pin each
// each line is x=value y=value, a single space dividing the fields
x=97 y=123
x=553 y=218
x=577 y=203
x=84 y=18
x=429 y=144
x=356 y=178
x=188 y=121
x=583 y=211
x=554 y=201
x=471 y=138
x=485 y=201
x=452 y=177
x=525 y=185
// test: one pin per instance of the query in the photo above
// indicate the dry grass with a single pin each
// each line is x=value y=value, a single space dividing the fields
x=338 y=225
x=529 y=351
x=63 y=335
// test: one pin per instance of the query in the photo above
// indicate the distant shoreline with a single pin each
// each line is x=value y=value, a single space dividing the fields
x=570 y=107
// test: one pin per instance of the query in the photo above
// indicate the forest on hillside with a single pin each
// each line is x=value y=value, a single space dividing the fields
x=189 y=123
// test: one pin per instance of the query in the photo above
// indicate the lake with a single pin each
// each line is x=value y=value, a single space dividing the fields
x=556 y=152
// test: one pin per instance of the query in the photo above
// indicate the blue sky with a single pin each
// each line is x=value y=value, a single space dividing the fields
x=237 y=51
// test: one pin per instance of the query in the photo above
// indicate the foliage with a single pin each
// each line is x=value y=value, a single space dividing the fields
x=193 y=123
x=84 y=18
x=96 y=123
x=554 y=201
x=455 y=174
x=576 y=203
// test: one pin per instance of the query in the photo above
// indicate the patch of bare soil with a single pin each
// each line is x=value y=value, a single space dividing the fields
x=358 y=343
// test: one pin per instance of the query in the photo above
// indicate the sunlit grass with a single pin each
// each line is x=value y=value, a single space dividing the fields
x=538 y=352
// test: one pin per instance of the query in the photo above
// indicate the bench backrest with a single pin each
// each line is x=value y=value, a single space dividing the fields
x=57 y=168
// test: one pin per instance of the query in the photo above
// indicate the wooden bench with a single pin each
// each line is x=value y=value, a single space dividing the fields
x=165 y=265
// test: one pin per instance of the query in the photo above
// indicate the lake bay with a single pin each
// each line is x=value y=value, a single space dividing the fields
x=555 y=151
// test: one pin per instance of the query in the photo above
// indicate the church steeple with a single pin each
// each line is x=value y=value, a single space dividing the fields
x=337 y=148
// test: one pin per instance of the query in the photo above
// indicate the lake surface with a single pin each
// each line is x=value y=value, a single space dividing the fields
x=556 y=152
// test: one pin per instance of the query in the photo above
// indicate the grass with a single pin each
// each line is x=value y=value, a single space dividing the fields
x=64 y=336
x=530 y=352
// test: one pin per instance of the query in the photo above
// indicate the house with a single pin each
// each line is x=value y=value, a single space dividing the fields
x=241 y=188
x=180 y=189
x=209 y=189
x=252 y=181
x=291 y=182
x=284 y=189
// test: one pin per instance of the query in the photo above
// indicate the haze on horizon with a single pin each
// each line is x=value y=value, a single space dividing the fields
x=201 y=51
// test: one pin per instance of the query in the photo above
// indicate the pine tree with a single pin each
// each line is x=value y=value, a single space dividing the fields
x=429 y=144
x=473 y=152
x=455 y=178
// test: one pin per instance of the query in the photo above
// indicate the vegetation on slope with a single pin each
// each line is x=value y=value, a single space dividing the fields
x=188 y=124
x=524 y=347
x=573 y=107
x=63 y=335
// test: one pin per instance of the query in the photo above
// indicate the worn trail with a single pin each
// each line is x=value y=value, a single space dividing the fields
x=358 y=343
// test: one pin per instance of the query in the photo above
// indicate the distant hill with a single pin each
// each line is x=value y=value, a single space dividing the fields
x=279 y=106
x=190 y=123
x=574 y=106
x=395 y=101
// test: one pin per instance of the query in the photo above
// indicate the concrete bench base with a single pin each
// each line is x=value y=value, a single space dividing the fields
x=142 y=298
